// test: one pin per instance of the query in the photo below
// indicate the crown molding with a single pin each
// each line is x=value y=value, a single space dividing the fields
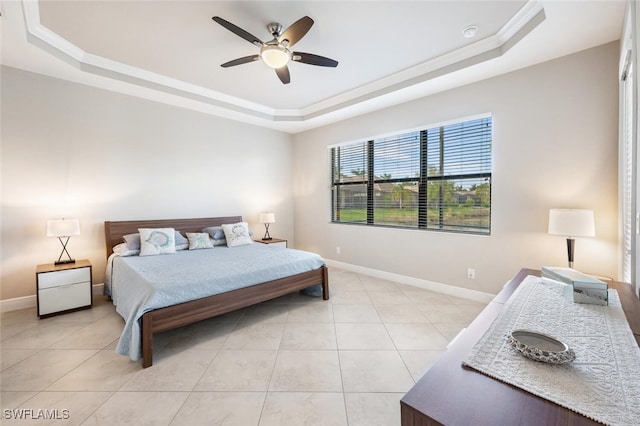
x=527 y=18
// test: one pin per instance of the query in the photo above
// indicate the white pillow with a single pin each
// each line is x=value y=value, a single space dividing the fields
x=199 y=240
x=123 y=250
x=237 y=234
x=157 y=241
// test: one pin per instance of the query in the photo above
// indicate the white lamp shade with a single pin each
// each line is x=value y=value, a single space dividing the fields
x=572 y=222
x=267 y=218
x=63 y=227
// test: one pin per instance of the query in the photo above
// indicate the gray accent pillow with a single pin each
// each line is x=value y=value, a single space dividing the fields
x=132 y=240
x=215 y=232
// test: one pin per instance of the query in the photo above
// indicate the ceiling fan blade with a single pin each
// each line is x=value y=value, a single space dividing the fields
x=311 y=59
x=296 y=31
x=240 y=61
x=283 y=74
x=238 y=31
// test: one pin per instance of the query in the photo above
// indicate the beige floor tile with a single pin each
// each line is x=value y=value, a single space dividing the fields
x=70 y=408
x=106 y=371
x=350 y=297
x=220 y=408
x=255 y=336
x=378 y=284
x=209 y=334
x=418 y=362
x=10 y=400
x=322 y=311
x=417 y=337
x=10 y=357
x=138 y=408
x=353 y=284
x=422 y=297
x=28 y=315
x=450 y=331
x=373 y=409
x=177 y=372
x=12 y=329
x=408 y=313
x=265 y=312
x=303 y=408
x=374 y=371
x=96 y=335
x=355 y=313
x=446 y=314
x=309 y=336
x=42 y=336
x=363 y=336
x=239 y=370
x=306 y=371
x=471 y=308
x=340 y=278
x=393 y=297
x=42 y=369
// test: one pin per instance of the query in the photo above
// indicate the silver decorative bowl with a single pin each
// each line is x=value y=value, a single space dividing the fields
x=540 y=347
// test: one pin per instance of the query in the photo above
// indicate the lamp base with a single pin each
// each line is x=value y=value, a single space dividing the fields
x=64 y=262
x=571 y=247
x=266 y=237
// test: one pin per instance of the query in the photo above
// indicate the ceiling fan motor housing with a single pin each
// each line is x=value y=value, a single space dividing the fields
x=275 y=29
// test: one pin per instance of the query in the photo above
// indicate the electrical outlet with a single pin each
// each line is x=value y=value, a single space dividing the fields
x=471 y=273
x=337 y=249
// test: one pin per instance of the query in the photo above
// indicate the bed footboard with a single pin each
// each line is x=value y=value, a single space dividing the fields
x=175 y=316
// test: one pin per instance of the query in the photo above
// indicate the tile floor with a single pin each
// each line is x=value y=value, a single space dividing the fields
x=295 y=360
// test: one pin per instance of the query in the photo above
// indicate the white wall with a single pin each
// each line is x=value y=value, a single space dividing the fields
x=555 y=145
x=70 y=150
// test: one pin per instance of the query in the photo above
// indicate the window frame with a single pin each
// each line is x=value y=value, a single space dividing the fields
x=422 y=180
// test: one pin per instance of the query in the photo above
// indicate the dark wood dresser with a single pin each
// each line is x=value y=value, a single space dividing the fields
x=450 y=394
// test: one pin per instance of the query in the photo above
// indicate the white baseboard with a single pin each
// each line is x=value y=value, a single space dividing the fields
x=447 y=289
x=25 y=302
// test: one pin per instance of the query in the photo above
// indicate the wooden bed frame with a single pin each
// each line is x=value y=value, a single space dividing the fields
x=182 y=314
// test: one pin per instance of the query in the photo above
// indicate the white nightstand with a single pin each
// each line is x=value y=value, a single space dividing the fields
x=274 y=242
x=63 y=288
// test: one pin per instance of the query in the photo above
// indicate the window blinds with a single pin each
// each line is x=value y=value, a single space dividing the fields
x=436 y=178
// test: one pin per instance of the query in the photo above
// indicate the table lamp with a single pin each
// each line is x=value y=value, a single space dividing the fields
x=63 y=228
x=571 y=223
x=267 y=218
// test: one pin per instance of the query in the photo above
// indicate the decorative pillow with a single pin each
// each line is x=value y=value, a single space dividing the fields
x=180 y=239
x=215 y=232
x=122 y=250
x=199 y=240
x=237 y=234
x=157 y=241
x=217 y=243
x=133 y=241
x=181 y=242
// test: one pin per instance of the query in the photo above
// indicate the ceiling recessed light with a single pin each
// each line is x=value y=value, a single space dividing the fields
x=470 y=31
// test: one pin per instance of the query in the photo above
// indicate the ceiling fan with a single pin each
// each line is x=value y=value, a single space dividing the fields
x=276 y=53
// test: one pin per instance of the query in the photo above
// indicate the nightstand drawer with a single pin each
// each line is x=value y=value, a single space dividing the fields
x=61 y=298
x=60 y=278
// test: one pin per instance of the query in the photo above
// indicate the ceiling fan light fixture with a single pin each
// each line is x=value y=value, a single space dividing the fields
x=275 y=56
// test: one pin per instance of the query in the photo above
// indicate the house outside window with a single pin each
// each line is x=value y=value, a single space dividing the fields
x=437 y=178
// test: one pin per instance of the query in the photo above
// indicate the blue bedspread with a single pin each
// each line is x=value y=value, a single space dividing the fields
x=139 y=284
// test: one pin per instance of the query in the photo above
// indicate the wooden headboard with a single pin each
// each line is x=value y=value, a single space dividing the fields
x=115 y=230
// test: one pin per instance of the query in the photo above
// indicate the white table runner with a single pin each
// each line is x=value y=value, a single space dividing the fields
x=603 y=383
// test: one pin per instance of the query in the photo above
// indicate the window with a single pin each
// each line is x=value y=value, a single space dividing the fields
x=437 y=178
x=627 y=169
